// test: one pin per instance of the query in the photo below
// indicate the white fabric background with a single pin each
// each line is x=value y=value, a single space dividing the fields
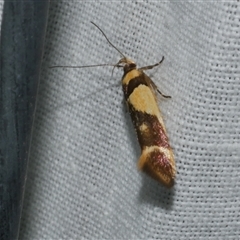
x=82 y=180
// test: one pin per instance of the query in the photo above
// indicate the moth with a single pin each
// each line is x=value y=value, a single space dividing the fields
x=140 y=92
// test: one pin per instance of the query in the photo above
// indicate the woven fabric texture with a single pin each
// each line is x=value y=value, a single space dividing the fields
x=82 y=179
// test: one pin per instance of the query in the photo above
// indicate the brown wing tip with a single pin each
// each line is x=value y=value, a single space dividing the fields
x=158 y=166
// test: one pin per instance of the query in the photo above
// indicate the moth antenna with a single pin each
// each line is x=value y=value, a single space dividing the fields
x=86 y=66
x=107 y=39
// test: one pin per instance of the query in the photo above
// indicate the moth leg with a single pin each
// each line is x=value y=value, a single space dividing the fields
x=165 y=96
x=126 y=104
x=154 y=86
x=152 y=66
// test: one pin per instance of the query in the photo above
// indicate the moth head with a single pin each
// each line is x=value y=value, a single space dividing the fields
x=127 y=64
